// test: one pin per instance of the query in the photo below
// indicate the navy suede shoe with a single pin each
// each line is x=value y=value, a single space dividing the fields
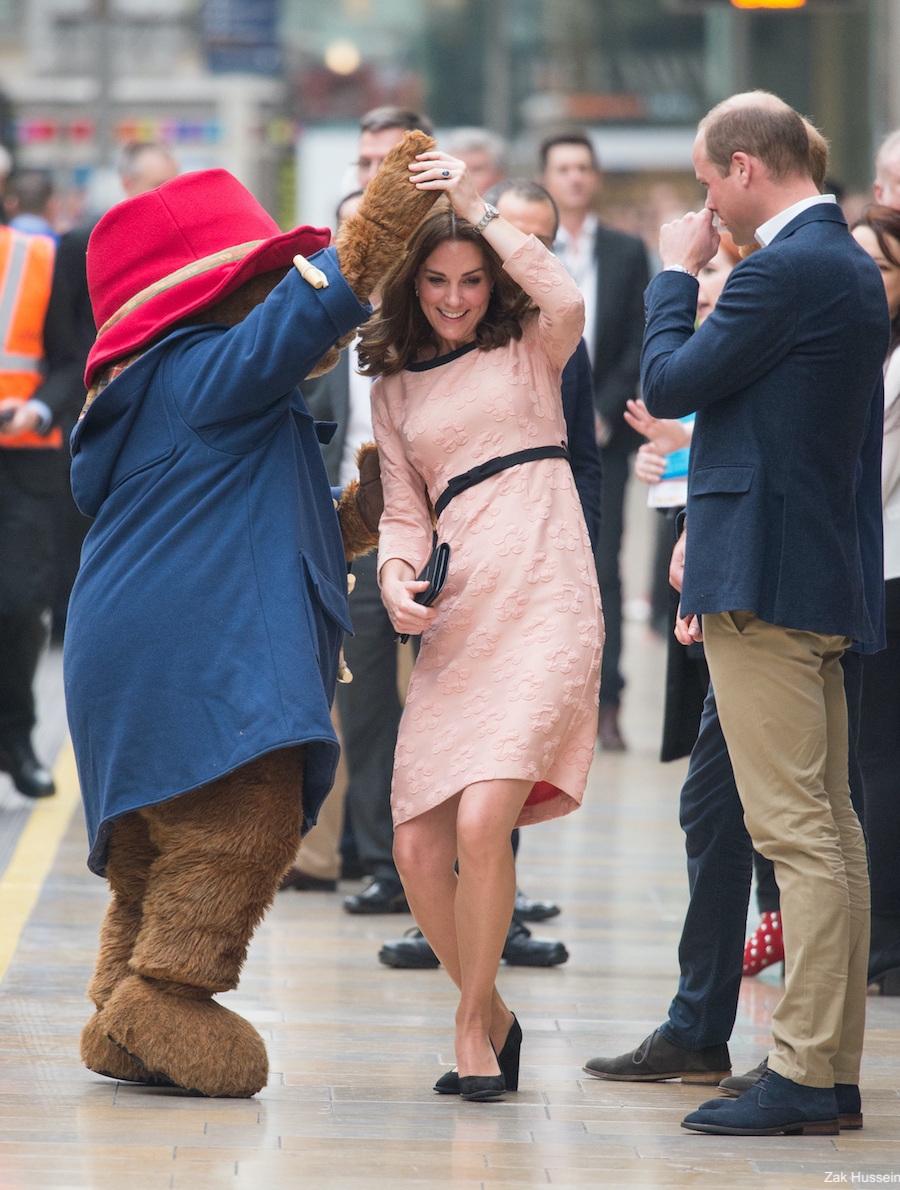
x=774 y=1106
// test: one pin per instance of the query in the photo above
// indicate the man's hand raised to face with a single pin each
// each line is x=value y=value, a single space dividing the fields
x=691 y=241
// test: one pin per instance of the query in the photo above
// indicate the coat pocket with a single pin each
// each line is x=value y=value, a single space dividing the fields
x=714 y=481
x=327 y=606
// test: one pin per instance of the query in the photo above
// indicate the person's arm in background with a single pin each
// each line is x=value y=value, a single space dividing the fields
x=578 y=408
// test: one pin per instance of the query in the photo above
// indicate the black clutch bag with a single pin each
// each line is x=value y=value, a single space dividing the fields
x=435 y=574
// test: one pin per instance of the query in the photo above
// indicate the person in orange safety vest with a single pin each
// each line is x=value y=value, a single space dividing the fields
x=31 y=466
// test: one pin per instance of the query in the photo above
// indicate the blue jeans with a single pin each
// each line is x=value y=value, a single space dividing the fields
x=719 y=863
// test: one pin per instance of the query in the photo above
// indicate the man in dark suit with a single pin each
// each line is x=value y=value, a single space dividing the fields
x=783 y=523
x=612 y=272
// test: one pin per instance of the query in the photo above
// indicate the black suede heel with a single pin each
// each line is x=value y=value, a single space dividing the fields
x=480 y=1088
x=508 y=1060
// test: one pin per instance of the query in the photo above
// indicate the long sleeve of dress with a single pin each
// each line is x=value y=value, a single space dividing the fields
x=560 y=324
x=405 y=528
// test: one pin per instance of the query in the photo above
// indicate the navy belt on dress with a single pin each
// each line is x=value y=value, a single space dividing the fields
x=490 y=467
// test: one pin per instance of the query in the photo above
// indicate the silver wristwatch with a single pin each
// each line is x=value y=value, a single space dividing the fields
x=489 y=214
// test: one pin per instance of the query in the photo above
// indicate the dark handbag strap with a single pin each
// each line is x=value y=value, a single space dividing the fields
x=490 y=467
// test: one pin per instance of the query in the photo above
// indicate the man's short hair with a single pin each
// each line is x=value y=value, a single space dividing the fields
x=129 y=165
x=567 y=138
x=527 y=190
x=476 y=140
x=391 y=116
x=818 y=158
x=887 y=151
x=32 y=189
x=762 y=126
x=346 y=198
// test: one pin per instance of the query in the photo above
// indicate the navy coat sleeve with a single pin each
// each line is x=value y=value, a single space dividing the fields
x=578 y=408
x=251 y=370
x=752 y=327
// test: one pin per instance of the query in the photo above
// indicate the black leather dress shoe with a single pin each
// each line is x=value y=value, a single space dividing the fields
x=656 y=1060
x=411 y=951
x=28 y=774
x=521 y=950
x=528 y=910
x=382 y=896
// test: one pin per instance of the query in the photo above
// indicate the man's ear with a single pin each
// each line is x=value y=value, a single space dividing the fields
x=743 y=166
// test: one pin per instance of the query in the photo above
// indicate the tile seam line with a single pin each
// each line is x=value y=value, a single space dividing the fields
x=27 y=870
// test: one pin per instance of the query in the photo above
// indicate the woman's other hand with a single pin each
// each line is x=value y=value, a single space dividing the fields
x=398 y=587
x=667 y=434
x=439 y=171
x=649 y=464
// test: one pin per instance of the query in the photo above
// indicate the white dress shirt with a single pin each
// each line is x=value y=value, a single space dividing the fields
x=766 y=232
x=579 y=256
x=359 y=417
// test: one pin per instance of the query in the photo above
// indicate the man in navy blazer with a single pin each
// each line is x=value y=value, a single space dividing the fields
x=782 y=523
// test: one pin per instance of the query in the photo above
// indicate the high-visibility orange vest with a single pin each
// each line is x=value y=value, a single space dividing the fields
x=26 y=274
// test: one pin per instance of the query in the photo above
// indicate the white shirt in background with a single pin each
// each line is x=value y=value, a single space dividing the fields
x=579 y=255
x=359 y=417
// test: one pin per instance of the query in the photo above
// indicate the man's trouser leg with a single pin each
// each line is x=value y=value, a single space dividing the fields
x=616 y=463
x=370 y=710
x=320 y=852
x=781 y=702
x=711 y=950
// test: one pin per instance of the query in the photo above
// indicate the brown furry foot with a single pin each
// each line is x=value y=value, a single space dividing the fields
x=103 y=1057
x=194 y=1043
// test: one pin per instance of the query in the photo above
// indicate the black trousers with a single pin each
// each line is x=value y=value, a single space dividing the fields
x=26 y=587
x=370 y=710
x=879 y=759
x=616 y=462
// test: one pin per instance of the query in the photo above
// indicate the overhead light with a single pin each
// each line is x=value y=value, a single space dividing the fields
x=342 y=57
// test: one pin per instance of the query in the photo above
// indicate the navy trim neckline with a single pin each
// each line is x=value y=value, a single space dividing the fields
x=442 y=359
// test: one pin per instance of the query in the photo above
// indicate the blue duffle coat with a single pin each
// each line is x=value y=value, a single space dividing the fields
x=205 y=624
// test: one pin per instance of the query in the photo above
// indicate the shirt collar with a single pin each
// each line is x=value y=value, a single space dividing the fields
x=588 y=229
x=766 y=232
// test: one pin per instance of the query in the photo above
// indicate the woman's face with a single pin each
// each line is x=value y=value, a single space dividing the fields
x=712 y=280
x=890 y=272
x=454 y=291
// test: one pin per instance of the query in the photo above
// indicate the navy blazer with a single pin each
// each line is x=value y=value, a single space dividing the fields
x=784 y=487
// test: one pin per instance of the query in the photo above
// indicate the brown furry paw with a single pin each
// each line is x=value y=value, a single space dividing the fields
x=187 y=1039
x=372 y=241
x=358 y=538
x=103 y=1057
x=332 y=355
x=362 y=504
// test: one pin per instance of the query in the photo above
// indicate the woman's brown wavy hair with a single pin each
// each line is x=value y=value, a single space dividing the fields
x=400 y=333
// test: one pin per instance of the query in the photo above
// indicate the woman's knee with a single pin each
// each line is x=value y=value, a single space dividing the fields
x=418 y=851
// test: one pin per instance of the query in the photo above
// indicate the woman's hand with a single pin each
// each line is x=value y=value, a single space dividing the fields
x=649 y=464
x=398 y=586
x=666 y=434
x=440 y=171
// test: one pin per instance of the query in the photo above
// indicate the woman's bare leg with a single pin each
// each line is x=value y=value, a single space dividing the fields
x=425 y=851
x=485 y=894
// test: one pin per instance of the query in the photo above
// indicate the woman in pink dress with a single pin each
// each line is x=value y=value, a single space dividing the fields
x=475 y=326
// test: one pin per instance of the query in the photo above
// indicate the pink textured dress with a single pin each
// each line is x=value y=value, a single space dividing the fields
x=507 y=680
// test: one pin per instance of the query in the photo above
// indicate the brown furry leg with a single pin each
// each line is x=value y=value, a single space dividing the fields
x=222 y=852
x=130 y=855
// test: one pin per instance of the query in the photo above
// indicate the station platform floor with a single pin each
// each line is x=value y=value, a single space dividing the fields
x=355 y=1046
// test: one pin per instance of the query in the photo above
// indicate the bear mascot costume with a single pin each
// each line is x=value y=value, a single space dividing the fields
x=204 y=630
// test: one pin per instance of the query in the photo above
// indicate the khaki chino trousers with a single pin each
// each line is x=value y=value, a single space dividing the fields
x=780 y=695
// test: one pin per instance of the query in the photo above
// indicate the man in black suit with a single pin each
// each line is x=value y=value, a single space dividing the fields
x=612 y=271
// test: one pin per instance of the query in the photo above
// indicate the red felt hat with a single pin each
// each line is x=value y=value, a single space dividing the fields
x=156 y=259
